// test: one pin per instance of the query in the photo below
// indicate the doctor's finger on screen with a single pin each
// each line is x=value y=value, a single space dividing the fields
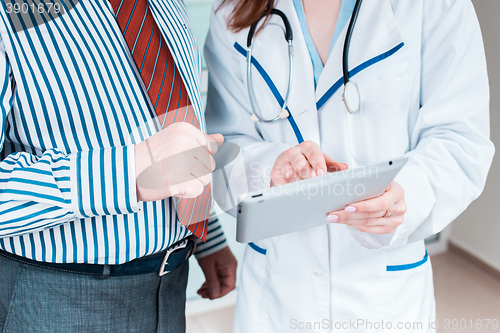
x=380 y=215
x=303 y=161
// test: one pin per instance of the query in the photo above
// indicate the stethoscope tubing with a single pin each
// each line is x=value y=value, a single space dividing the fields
x=350 y=89
x=347 y=42
x=289 y=38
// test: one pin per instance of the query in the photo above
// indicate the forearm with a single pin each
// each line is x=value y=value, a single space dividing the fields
x=39 y=192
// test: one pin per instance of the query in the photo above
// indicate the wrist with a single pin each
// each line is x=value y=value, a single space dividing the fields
x=142 y=161
x=142 y=158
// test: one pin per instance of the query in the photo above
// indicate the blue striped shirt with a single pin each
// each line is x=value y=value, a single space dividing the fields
x=72 y=106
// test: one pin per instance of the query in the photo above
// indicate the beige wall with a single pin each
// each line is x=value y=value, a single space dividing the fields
x=477 y=230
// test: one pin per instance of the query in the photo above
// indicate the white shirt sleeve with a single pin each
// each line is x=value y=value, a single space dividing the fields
x=450 y=150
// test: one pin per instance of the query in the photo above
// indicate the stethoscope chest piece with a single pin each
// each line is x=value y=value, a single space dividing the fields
x=351 y=97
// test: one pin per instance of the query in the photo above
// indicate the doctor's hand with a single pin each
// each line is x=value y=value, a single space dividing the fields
x=177 y=161
x=380 y=215
x=220 y=273
x=303 y=161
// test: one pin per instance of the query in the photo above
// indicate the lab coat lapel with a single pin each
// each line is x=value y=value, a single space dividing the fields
x=375 y=37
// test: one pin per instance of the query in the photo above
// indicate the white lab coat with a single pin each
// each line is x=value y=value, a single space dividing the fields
x=421 y=72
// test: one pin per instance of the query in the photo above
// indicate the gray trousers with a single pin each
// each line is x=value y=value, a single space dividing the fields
x=36 y=299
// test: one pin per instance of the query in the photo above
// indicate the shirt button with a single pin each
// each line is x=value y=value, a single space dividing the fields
x=318 y=273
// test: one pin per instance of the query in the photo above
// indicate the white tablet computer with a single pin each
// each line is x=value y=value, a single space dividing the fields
x=304 y=204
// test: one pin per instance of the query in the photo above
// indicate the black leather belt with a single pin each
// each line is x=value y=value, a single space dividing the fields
x=161 y=262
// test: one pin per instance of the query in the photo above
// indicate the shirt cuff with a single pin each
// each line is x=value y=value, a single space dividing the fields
x=216 y=240
x=103 y=182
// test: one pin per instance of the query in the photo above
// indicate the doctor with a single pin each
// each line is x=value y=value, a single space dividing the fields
x=420 y=71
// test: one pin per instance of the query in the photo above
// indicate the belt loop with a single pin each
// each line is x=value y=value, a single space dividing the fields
x=105 y=272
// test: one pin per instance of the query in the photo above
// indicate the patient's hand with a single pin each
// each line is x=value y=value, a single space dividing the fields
x=303 y=161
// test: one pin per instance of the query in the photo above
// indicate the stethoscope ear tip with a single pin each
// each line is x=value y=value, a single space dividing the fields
x=284 y=114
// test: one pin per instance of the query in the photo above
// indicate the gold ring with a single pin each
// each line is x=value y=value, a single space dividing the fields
x=388 y=213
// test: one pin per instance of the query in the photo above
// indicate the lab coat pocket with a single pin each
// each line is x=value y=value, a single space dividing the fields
x=255 y=264
x=251 y=308
x=410 y=292
x=406 y=258
x=379 y=130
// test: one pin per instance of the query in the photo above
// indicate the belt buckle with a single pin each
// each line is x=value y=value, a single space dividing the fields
x=164 y=263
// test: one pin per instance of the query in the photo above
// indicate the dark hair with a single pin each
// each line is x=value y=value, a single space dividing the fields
x=246 y=12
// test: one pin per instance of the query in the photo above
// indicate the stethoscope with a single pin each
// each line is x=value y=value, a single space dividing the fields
x=350 y=95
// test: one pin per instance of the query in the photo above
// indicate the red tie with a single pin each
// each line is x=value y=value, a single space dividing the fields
x=166 y=92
